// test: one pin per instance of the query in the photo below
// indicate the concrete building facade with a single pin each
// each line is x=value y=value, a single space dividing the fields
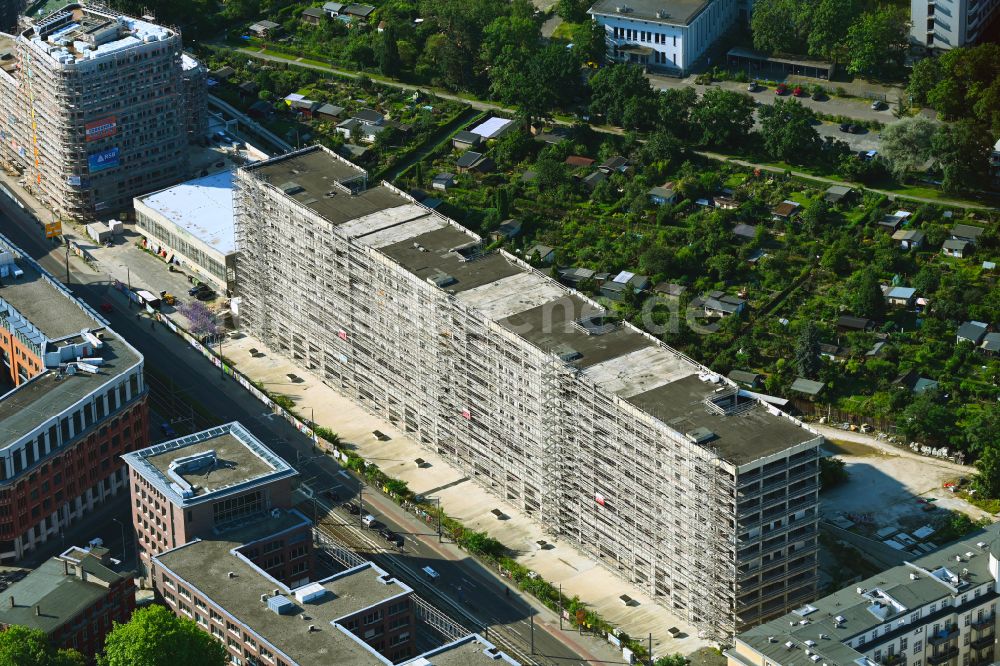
x=947 y=24
x=94 y=110
x=664 y=36
x=209 y=483
x=76 y=402
x=666 y=472
x=938 y=610
x=74 y=598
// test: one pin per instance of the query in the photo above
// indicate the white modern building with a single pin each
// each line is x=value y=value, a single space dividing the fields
x=664 y=35
x=193 y=224
x=946 y=24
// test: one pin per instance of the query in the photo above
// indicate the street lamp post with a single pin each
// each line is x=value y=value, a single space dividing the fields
x=361 y=501
x=122 y=526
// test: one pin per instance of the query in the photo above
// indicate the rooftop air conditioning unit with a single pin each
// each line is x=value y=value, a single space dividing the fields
x=232 y=574
x=263 y=598
x=958 y=558
x=913 y=576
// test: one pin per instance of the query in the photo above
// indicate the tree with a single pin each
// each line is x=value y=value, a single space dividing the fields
x=21 y=646
x=877 y=42
x=788 y=132
x=832 y=472
x=865 y=294
x=590 y=42
x=723 y=117
x=672 y=660
x=622 y=94
x=980 y=431
x=907 y=145
x=573 y=11
x=925 y=76
x=831 y=20
x=777 y=26
x=675 y=109
x=987 y=481
x=807 y=351
x=388 y=52
x=156 y=637
x=815 y=217
x=927 y=420
x=963 y=150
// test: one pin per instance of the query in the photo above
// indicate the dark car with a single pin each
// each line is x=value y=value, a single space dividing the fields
x=391 y=537
x=193 y=291
x=206 y=294
x=332 y=495
x=844 y=127
x=351 y=508
x=818 y=96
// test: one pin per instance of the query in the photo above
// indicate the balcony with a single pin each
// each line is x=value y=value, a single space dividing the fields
x=945 y=635
x=983 y=642
x=983 y=622
x=942 y=656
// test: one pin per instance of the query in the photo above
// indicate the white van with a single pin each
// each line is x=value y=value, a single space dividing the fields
x=368 y=520
x=433 y=575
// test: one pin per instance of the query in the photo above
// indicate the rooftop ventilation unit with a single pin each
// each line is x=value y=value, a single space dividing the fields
x=291 y=188
x=700 y=435
x=280 y=605
x=839 y=619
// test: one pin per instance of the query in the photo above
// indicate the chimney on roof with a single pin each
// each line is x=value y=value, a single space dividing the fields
x=38 y=611
x=12 y=604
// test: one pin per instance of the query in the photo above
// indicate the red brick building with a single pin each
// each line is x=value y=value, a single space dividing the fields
x=74 y=598
x=210 y=483
x=76 y=401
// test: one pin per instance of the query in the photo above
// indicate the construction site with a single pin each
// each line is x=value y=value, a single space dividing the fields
x=96 y=108
x=667 y=473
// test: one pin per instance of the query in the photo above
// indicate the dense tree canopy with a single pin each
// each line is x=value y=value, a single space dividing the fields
x=962 y=149
x=814 y=27
x=622 y=94
x=907 y=144
x=787 y=131
x=877 y=42
x=156 y=637
x=21 y=646
x=723 y=118
x=961 y=83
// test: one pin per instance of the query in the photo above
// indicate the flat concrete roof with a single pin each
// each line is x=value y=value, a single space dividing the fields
x=52 y=311
x=60 y=596
x=205 y=565
x=470 y=650
x=933 y=577
x=739 y=438
x=202 y=207
x=434 y=258
x=676 y=12
x=26 y=407
x=241 y=462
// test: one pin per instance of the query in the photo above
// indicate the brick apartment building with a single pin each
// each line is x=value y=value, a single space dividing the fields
x=209 y=483
x=74 y=598
x=74 y=401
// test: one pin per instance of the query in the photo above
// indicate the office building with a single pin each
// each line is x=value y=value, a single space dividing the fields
x=74 y=598
x=666 y=36
x=212 y=482
x=193 y=224
x=93 y=109
x=937 y=610
x=668 y=473
x=76 y=402
x=947 y=24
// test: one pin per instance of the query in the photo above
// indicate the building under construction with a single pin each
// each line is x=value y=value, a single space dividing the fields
x=93 y=109
x=670 y=475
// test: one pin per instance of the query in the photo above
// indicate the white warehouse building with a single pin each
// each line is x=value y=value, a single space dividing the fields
x=664 y=35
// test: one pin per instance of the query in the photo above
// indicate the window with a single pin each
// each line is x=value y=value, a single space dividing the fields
x=238 y=507
x=917 y=645
x=903 y=644
x=374 y=616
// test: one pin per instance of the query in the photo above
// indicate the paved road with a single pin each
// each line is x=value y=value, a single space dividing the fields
x=194 y=378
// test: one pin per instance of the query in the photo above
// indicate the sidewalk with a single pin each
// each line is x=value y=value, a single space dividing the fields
x=462 y=498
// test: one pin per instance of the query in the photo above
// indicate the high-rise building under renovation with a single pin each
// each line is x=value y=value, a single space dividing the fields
x=93 y=108
x=670 y=475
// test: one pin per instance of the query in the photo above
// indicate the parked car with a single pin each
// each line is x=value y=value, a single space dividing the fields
x=818 y=96
x=351 y=508
x=753 y=87
x=205 y=294
x=878 y=105
x=799 y=91
x=389 y=535
x=193 y=291
x=369 y=521
x=782 y=89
